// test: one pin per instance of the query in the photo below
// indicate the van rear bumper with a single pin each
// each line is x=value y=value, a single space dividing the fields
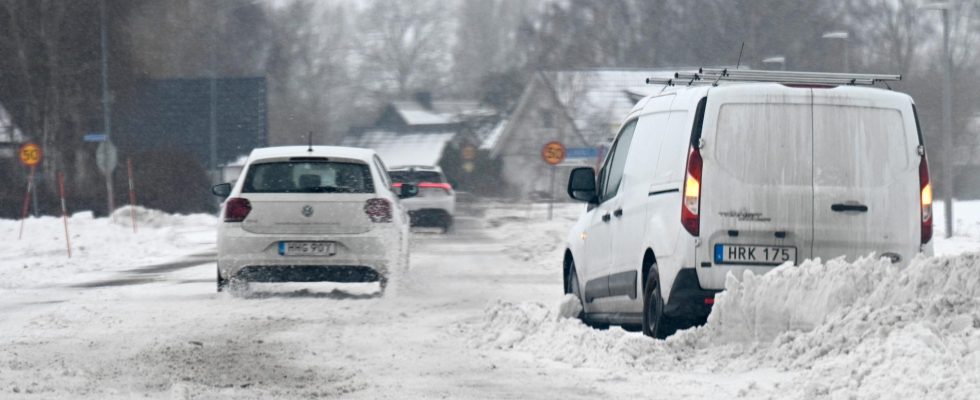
x=687 y=298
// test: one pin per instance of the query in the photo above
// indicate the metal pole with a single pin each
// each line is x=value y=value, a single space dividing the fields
x=214 y=112
x=551 y=194
x=947 y=128
x=106 y=107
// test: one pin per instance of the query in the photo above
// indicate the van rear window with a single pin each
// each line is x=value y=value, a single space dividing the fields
x=765 y=143
x=858 y=146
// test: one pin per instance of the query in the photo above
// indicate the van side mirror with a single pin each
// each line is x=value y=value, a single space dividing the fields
x=408 y=190
x=581 y=185
x=221 y=190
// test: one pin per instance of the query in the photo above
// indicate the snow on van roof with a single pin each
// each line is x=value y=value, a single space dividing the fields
x=318 y=151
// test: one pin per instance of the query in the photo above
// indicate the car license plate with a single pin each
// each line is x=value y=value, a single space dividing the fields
x=307 y=248
x=752 y=254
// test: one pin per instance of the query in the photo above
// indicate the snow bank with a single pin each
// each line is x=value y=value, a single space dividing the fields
x=40 y=257
x=866 y=329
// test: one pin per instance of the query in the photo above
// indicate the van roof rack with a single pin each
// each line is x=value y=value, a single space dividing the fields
x=713 y=76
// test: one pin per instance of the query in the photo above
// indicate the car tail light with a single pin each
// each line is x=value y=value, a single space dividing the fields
x=925 y=200
x=691 y=203
x=378 y=210
x=236 y=209
x=436 y=185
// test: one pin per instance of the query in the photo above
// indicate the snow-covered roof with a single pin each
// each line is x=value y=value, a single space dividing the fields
x=598 y=100
x=419 y=148
x=490 y=140
x=318 y=151
x=440 y=112
x=9 y=133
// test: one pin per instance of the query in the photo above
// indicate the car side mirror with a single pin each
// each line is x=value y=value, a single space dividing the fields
x=221 y=190
x=408 y=190
x=581 y=184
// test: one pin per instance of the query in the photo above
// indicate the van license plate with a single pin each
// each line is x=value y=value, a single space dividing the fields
x=307 y=248
x=752 y=254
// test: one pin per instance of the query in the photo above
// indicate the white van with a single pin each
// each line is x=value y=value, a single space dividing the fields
x=703 y=181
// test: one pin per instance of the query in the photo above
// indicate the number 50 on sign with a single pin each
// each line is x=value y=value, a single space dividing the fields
x=553 y=153
x=30 y=154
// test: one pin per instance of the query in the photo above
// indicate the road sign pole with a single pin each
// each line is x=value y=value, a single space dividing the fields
x=551 y=188
x=27 y=196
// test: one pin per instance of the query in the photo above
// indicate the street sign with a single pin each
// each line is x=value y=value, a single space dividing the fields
x=106 y=157
x=30 y=154
x=95 y=137
x=582 y=152
x=553 y=152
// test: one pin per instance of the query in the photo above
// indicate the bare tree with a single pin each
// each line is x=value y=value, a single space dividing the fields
x=405 y=46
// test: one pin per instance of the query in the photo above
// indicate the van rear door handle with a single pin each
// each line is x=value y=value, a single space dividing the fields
x=606 y=217
x=618 y=213
x=840 y=207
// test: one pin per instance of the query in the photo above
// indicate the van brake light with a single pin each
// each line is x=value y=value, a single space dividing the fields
x=691 y=203
x=925 y=200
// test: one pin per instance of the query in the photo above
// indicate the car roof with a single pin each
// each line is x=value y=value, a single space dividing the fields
x=350 y=153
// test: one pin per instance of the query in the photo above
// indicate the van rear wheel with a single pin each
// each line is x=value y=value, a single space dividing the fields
x=655 y=323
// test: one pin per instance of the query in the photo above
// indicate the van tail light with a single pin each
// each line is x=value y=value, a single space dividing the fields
x=236 y=209
x=436 y=185
x=378 y=210
x=691 y=203
x=925 y=200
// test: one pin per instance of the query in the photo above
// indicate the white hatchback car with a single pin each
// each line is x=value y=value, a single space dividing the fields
x=707 y=181
x=310 y=214
x=435 y=204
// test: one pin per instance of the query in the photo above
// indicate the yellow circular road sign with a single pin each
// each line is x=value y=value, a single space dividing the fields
x=553 y=153
x=30 y=154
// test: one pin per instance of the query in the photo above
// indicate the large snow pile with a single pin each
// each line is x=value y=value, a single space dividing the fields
x=866 y=328
x=834 y=329
x=40 y=257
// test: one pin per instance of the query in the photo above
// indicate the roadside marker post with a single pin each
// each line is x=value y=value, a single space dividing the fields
x=132 y=192
x=64 y=209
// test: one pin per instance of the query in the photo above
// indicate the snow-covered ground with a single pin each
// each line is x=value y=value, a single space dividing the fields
x=477 y=315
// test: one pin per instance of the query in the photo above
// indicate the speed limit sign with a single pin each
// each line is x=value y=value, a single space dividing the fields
x=30 y=154
x=553 y=153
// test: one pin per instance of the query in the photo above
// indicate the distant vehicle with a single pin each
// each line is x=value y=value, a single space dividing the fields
x=704 y=181
x=308 y=214
x=435 y=204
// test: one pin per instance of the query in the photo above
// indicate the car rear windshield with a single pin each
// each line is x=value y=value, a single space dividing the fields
x=308 y=177
x=416 y=176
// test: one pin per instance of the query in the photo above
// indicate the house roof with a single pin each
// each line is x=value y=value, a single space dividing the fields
x=9 y=133
x=441 y=112
x=597 y=100
x=394 y=148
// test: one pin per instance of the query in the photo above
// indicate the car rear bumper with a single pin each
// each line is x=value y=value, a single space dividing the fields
x=430 y=217
x=309 y=273
x=245 y=255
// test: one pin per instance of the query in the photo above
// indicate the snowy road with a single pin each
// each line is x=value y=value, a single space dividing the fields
x=475 y=316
